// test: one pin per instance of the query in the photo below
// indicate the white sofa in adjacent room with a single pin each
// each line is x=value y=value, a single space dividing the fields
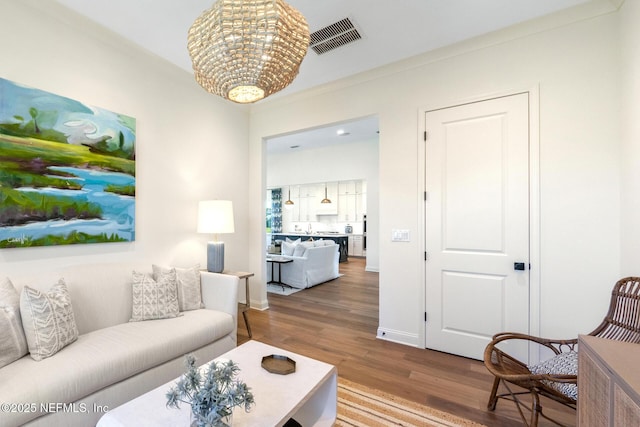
x=113 y=359
x=314 y=262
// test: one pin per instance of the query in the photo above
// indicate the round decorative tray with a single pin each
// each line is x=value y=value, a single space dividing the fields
x=277 y=364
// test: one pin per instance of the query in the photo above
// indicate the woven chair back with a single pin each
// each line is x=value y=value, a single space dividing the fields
x=622 y=322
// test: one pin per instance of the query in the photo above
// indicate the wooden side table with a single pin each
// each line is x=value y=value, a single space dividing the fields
x=247 y=303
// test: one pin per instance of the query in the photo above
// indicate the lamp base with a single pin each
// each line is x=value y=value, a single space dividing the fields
x=215 y=257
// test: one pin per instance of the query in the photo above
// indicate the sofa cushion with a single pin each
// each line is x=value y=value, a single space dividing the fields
x=47 y=319
x=13 y=343
x=107 y=356
x=154 y=299
x=187 y=284
x=561 y=364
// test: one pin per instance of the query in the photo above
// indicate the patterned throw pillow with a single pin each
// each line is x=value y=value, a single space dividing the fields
x=561 y=364
x=154 y=299
x=13 y=343
x=188 y=285
x=48 y=320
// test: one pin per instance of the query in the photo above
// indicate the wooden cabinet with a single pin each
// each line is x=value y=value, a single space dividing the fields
x=608 y=383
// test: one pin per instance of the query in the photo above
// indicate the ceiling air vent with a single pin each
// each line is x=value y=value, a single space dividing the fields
x=334 y=36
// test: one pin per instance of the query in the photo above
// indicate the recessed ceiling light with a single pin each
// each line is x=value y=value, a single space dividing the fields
x=295 y=146
x=342 y=132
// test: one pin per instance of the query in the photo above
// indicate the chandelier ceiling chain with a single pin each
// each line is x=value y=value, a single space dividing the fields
x=246 y=50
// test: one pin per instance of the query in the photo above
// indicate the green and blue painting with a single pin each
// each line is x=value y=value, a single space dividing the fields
x=67 y=170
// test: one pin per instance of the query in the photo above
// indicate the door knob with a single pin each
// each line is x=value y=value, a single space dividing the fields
x=518 y=266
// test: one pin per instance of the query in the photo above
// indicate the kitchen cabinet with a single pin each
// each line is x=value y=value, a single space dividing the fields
x=348 y=201
x=291 y=213
x=355 y=245
x=332 y=194
x=351 y=201
x=608 y=382
x=304 y=203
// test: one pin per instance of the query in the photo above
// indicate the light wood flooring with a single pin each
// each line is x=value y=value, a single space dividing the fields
x=336 y=322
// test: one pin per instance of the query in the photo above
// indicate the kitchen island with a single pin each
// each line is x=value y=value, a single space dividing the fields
x=341 y=239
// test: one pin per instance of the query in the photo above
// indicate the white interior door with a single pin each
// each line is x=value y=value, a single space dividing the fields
x=477 y=224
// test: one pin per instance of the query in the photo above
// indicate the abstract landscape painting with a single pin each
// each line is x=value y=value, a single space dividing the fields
x=67 y=170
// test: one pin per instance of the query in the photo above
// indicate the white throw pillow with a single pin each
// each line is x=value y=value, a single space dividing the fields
x=288 y=248
x=295 y=242
x=302 y=248
x=187 y=285
x=48 y=320
x=319 y=242
x=154 y=299
x=13 y=343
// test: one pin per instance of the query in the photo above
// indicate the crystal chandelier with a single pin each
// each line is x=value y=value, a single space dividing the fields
x=246 y=50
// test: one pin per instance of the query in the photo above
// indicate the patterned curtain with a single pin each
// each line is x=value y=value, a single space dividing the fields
x=276 y=210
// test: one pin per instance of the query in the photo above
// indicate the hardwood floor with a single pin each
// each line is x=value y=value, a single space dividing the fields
x=336 y=322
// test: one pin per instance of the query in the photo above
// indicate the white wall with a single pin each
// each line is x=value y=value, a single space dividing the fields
x=190 y=145
x=356 y=160
x=573 y=58
x=630 y=112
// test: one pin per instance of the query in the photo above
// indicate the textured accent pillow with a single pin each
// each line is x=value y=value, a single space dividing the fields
x=48 y=320
x=13 y=343
x=154 y=299
x=561 y=364
x=187 y=285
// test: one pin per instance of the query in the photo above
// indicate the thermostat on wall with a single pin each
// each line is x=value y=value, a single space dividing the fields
x=399 y=235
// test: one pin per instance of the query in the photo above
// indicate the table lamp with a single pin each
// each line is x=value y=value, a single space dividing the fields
x=215 y=217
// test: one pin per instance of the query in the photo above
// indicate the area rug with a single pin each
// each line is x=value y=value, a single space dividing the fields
x=272 y=288
x=362 y=406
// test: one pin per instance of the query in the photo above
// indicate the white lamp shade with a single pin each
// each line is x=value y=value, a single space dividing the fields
x=215 y=217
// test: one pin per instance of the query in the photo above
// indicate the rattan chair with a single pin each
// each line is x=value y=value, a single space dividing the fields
x=622 y=323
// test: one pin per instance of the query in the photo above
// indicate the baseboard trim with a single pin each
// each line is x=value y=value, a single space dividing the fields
x=399 y=337
x=262 y=305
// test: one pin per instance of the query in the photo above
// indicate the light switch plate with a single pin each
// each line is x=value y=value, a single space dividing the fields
x=399 y=235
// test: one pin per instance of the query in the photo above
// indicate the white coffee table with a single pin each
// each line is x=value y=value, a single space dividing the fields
x=309 y=395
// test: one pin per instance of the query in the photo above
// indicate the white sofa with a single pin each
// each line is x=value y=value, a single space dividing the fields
x=113 y=360
x=314 y=262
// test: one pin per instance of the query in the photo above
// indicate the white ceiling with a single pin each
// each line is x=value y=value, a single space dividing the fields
x=392 y=29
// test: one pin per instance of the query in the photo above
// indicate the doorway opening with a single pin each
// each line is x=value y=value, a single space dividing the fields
x=338 y=162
